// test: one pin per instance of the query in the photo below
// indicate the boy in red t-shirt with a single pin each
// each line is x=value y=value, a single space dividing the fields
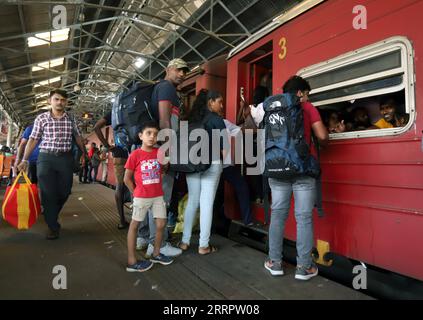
x=143 y=165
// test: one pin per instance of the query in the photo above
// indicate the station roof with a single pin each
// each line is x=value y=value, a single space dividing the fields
x=105 y=44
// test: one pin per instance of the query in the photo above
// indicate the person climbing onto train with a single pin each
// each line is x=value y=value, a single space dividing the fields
x=202 y=186
x=55 y=129
x=232 y=175
x=166 y=107
x=143 y=177
x=303 y=187
x=259 y=183
x=120 y=155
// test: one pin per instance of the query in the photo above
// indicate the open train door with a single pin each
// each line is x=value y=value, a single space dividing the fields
x=254 y=84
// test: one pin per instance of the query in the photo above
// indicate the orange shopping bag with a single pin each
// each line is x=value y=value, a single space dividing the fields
x=21 y=204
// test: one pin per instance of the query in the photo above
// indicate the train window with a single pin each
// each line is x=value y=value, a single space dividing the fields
x=364 y=90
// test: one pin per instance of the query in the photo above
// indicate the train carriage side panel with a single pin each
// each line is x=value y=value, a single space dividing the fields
x=372 y=187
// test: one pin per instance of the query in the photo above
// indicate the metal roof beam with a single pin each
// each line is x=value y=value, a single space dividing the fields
x=101 y=48
x=31 y=84
x=220 y=27
x=110 y=8
x=193 y=48
x=21 y=19
x=234 y=17
x=97 y=14
x=72 y=26
x=11 y=112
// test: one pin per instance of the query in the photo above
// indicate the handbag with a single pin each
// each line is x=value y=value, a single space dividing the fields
x=249 y=123
x=21 y=204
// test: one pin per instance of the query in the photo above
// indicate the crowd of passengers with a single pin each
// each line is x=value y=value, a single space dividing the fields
x=357 y=118
x=154 y=187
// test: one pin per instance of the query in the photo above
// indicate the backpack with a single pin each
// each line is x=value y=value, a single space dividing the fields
x=180 y=161
x=130 y=109
x=287 y=154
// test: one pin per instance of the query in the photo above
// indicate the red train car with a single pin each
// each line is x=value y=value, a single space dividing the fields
x=372 y=179
x=210 y=75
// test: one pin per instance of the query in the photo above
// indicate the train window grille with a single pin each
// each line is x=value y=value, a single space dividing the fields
x=383 y=68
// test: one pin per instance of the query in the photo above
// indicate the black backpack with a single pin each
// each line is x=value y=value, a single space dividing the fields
x=287 y=154
x=130 y=109
x=181 y=161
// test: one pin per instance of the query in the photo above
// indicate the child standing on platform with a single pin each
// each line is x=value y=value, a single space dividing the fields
x=144 y=167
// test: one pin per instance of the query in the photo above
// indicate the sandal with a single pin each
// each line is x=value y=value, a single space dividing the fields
x=122 y=226
x=183 y=246
x=207 y=250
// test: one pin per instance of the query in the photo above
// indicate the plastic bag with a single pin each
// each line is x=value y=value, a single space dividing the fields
x=179 y=227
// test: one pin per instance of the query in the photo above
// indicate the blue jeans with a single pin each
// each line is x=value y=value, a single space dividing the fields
x=304 y=195
x=147 y=228
x=201 y=193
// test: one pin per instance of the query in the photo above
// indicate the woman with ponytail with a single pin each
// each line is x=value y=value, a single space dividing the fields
x=202 y=186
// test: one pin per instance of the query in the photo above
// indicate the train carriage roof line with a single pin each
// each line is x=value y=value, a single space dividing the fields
x=277 y=22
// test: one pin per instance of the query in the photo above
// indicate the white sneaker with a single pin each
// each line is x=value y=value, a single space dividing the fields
x=167 y=250
x=141 y=243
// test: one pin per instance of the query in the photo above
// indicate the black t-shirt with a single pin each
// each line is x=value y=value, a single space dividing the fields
x=165 y=91
x=117 y=152
x=214 y=121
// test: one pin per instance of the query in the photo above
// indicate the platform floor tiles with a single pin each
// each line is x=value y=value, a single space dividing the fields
x=93 y=253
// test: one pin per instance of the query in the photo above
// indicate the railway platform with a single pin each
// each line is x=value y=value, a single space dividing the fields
x=93 y=253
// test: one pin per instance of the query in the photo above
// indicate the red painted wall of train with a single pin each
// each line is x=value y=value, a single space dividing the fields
x=372 y=187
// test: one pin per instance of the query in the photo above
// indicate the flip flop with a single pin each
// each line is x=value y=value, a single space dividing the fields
x=183 y=246
x=210 y=249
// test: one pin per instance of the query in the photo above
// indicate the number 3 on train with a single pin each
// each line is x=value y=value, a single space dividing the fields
x=284 y=49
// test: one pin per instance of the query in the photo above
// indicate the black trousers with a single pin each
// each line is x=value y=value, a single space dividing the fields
x=233 y=176
x=92 y=168
x=55 y=183
x=32 y=172
x=83 y=173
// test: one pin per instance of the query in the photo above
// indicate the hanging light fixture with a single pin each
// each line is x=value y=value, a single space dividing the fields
x=139 y=62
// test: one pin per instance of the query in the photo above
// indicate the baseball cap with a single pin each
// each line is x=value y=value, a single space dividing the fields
x=178 y=63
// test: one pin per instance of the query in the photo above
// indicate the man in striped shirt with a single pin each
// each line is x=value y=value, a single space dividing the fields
x=55 y=128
